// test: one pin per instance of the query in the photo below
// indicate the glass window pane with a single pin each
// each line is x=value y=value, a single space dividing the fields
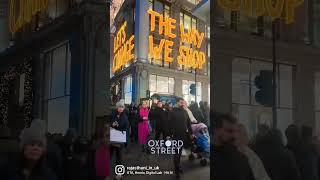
x=153 y=83
x=167 y=10
x=171 y=85
x=187 y=21
x=58 y=72
x=162 y=84
x=285 y=86
x=128 y=84
x=58 y=115
x=185 y=87
x=158 y=6
x=128 y=98
x=194 y=23
x=240 y=81
x=199 y=88
x=181 y=18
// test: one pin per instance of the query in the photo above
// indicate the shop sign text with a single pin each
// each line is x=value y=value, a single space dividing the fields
x=273 y=8
x=192 y=39
x=122 y=48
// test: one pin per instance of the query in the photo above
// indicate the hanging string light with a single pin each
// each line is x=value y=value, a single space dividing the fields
x=5 y=78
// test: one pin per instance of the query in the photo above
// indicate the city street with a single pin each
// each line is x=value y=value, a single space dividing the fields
x=133 y=156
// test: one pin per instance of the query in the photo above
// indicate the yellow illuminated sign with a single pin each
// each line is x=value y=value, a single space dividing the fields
x=22 y=11
x=122 y=49
x=189 y=57
x=272 y=8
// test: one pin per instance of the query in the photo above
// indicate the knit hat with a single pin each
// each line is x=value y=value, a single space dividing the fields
x=35 y=133
x=120 y=103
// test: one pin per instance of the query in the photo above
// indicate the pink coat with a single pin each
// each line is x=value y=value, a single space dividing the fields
x=102 y=161
x=143 y=127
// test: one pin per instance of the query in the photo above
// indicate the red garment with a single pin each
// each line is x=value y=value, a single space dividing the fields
x=102 y=161
x=143 y=127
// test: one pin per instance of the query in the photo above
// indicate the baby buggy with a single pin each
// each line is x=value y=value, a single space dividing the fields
x=201 y=143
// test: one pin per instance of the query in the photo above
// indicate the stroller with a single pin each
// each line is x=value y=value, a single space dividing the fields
x=201 y=143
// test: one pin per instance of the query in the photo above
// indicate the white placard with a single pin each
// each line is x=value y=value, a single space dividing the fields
x=118 y=136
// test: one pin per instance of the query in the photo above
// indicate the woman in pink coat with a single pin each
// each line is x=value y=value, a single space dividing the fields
x=143 y=126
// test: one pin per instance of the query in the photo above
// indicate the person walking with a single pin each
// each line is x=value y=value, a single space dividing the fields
x=120 y=122
x=256 y=165
x=278 y=161
x=180 y=129
x=309 y=158
x=133 y=119
x=143 y=126
x=31 y=163
x=228 y=162
x=159 y=116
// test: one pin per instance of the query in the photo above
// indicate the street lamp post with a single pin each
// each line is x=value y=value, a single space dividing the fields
x=274 y=75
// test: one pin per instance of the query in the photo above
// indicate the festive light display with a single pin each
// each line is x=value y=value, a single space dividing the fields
x=22 y=11
x=122 y=49
x=189 y=53
x=188 y=56
x=5 y=79
x=272 y=8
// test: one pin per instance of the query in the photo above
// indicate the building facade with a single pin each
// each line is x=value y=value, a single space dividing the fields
x=158 y=62
x=53 y=65
x=243 y=49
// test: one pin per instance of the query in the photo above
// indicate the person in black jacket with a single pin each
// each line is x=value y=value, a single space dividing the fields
x=133 y=119
x=228 y=163
x=278 y=161
x=160 y=118
x=120 y=122
x=180 y=129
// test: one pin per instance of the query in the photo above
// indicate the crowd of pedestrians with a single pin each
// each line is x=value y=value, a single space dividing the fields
x=265 y=156
x=161 y=120
x=38 y=155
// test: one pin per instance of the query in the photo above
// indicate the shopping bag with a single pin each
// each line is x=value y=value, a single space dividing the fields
x=117 y=136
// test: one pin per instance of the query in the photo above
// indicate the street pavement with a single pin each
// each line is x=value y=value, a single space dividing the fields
x=133 y=156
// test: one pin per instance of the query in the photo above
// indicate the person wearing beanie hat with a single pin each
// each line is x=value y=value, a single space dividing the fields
x=31 y=165
x=120 y=122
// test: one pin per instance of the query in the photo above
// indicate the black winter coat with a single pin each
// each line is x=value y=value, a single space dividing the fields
x=229 y=164
x=180 y=125
x=278 y=161
x=122 y=120
x=160 y=117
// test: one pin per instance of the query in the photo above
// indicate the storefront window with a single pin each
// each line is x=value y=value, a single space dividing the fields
x=57 y=94
x=246 y=108
x=127 y=89
x=186 y=91
x=161 y=85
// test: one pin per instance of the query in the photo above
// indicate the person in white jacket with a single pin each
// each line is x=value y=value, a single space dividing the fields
x=256 y=165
